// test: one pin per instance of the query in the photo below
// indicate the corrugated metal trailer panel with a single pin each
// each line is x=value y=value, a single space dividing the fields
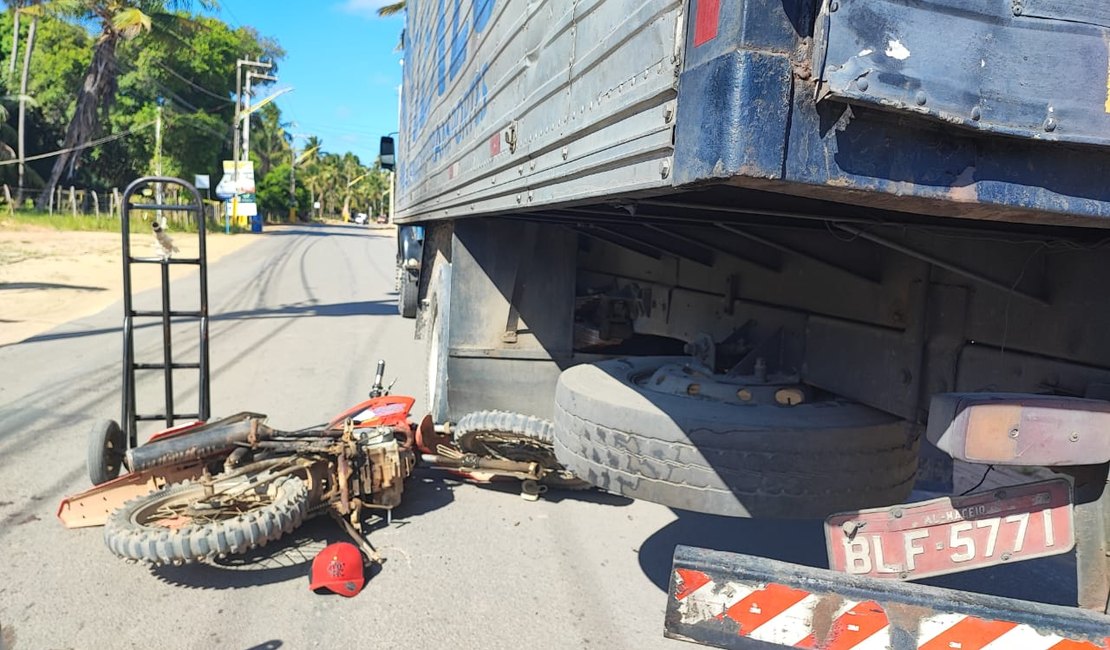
x=510 y=105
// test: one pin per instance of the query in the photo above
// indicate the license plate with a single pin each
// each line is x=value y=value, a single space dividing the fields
x=953 y=534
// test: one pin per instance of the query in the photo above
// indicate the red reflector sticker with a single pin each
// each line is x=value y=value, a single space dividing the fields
x=706 y=20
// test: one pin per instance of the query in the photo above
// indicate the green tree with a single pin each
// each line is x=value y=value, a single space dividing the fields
x=270 y=144
x=118 y=21
x=273 y=193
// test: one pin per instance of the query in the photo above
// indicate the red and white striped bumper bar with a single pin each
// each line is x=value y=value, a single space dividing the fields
x=740 y=601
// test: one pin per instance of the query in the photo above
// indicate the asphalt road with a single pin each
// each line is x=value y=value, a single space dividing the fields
x=299 y=320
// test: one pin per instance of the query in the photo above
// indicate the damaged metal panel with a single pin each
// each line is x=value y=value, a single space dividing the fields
x=728 y=600
x=1032 y=69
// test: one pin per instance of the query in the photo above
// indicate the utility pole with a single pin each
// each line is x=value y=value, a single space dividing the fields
x=158 y=157
x=239 y=111
x=158 y=140
x=249 y=93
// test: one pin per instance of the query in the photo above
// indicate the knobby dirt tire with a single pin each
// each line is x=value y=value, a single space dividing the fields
x=107 y=445
x=194 y=542
x=727 y=459
x=529 y=427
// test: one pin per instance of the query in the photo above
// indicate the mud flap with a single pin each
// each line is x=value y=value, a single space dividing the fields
x=740 y=601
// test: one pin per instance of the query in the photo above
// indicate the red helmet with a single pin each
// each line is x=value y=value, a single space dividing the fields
x=338 y=568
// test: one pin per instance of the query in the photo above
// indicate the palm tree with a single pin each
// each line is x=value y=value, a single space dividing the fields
x=118 y=20
x=391 y=9
x=270 y=141
x=351 y=172
x=35 y=10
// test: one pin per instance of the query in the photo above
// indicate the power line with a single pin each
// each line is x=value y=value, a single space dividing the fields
x=194 y=84
x=91 y=143
x=231 y=14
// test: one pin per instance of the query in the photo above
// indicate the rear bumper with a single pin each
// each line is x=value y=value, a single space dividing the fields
x=740 y=601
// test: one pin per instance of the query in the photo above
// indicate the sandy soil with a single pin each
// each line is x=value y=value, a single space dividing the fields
x=49 y=277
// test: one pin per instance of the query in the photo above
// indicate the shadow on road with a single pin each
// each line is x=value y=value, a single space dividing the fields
x=47 y=285
x=790 y=540
x=362 y=308
x=331 y=230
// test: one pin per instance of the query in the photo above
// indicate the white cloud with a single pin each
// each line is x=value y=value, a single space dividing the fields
x=368 y=8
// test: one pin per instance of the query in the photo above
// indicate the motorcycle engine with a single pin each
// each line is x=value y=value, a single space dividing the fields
x=387 y=460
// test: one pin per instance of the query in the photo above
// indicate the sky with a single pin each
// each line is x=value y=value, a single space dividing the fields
x=341 y=60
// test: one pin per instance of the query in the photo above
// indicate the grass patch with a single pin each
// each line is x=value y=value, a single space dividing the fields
x=139 y=222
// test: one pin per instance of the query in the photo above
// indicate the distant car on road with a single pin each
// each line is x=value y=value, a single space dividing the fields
x=361 y=218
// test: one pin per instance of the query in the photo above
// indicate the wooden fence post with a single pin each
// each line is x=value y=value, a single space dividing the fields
x=96 y=204
x=8 y=198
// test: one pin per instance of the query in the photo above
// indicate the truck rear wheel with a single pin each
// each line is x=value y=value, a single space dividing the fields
x=717 y=447
x=407 y=292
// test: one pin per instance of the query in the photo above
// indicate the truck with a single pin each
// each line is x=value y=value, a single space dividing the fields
x=783 y=258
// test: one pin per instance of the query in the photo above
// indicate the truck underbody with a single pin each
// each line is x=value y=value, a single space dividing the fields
x=748 y=256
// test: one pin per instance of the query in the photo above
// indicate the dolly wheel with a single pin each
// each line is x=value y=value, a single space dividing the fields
x=106 y=449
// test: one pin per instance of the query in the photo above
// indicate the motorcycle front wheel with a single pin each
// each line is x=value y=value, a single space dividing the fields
x=187 y=522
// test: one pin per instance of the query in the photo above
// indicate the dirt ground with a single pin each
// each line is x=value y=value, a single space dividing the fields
x=48 y=277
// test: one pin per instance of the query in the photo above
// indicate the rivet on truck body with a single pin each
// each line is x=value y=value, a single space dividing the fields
x=976 y=113
x=1074 y=437
x=665 y=168
x=862 y=85
x=920 y=98
x=1050 y=124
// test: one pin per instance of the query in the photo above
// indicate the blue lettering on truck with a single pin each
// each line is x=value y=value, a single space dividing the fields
x=443 y=40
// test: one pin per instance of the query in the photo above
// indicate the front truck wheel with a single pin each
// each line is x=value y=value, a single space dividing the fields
x=654 y=429
x=407 y=290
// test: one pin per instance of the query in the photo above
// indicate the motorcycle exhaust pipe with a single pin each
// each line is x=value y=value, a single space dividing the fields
x=219 y=437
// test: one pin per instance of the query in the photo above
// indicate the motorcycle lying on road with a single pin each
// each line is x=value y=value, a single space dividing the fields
x=209 y=490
